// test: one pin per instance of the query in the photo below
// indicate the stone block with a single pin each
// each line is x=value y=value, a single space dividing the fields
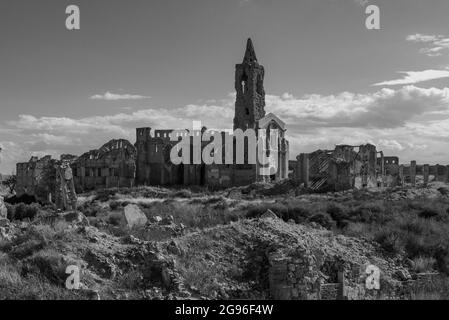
x=134 y=216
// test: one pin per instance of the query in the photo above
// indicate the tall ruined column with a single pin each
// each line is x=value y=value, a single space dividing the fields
x=382 y=168
x=437 y=173
x=298 y=169
x=413 y=173
x=426 y=174
x=447 y=174
x=401 y=175
x=287 y=158
x=304 y=169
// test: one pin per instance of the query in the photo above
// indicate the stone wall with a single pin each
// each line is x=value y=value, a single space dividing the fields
x=298 y=274
x=32 y=177
x=345 y=167
x=113 y=165
x=414 y=173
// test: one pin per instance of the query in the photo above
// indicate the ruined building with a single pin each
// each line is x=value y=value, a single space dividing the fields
x=153 y=148
x=65 y=194
x=118 y=163
x=113 y=165
x=346 y=167
x=34 y=178
x=414 y=174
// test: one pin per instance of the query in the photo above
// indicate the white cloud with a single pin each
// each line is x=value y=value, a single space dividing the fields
x=362 y=2
x=423 y=38
x=413 y=77
x=400 y=121
x=390 y=144
x=109 y=96
x=386 y=108
x=436 y=45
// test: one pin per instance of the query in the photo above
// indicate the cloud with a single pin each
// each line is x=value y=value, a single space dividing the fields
x=362 y=2
x=436 y=45
x=423 y=38
x=109 y=96
x=386 y=108
x=400 y=121
x=413 y=77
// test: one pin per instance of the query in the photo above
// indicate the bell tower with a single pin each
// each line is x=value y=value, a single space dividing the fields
x=250 y=100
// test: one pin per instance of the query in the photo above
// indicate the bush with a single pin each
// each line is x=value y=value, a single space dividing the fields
x=23 y=211
x=298 y=213
x=424 y=264
x=339 y=214
x=185 y=194
x=428 y=213
x=115 y=218
x=323 y=219
x=114 y=205
x=388 y=240
x=48 y=264
x=104 y=195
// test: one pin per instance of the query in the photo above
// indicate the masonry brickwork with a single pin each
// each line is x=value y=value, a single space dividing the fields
x=153 y=147
x=118 y=163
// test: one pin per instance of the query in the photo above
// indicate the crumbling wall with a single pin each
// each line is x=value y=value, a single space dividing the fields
x=414 y=173
x=340 y=169
x=113 y=165
x=298 y=274
x=35 y=178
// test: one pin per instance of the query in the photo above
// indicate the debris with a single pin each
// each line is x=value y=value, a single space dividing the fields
x=269 y=215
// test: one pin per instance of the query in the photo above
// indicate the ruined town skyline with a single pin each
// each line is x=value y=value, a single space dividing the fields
x=332 y=81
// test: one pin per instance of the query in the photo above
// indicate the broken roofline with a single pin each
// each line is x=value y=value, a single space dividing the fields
x=266 y=148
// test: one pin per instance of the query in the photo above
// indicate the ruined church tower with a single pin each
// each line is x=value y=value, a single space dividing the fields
x=250 y=101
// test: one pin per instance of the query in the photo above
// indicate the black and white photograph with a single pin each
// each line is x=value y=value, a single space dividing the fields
x=224 y=155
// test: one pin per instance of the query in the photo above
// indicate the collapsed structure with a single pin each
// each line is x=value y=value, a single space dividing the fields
x=356 y=167
x=154 y=166
x=118 y=163
x=113 y=165
x=345 y=167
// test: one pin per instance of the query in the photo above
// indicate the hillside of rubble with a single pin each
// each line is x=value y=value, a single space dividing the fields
x=240 y=243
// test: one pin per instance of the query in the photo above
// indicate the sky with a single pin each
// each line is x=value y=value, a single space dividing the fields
x=165 y=63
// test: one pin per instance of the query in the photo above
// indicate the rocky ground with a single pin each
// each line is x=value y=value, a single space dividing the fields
x=153 y=243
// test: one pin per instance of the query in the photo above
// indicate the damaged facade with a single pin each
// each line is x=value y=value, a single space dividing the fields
x=34 y=177
x=154 y=166
x=423 y=174
x=113 y=165
x=346 y=167
x=350 y=167
x=120 y=164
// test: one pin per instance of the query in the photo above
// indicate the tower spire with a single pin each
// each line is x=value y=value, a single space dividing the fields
x=250 y=54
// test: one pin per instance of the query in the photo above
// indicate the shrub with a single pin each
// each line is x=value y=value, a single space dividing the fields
x=423 y=264
x=388 y=240
x=185 y=194
x=48 y=264
x=114 y=205
x=322 y=219
x=339 y=214
x=115 y=218
x=298 y=213
x=104 y=195
x=23 y=211
x=428 y=213
x=416 y=246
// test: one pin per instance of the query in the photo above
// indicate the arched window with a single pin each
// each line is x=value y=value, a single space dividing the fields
x=244 y=83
